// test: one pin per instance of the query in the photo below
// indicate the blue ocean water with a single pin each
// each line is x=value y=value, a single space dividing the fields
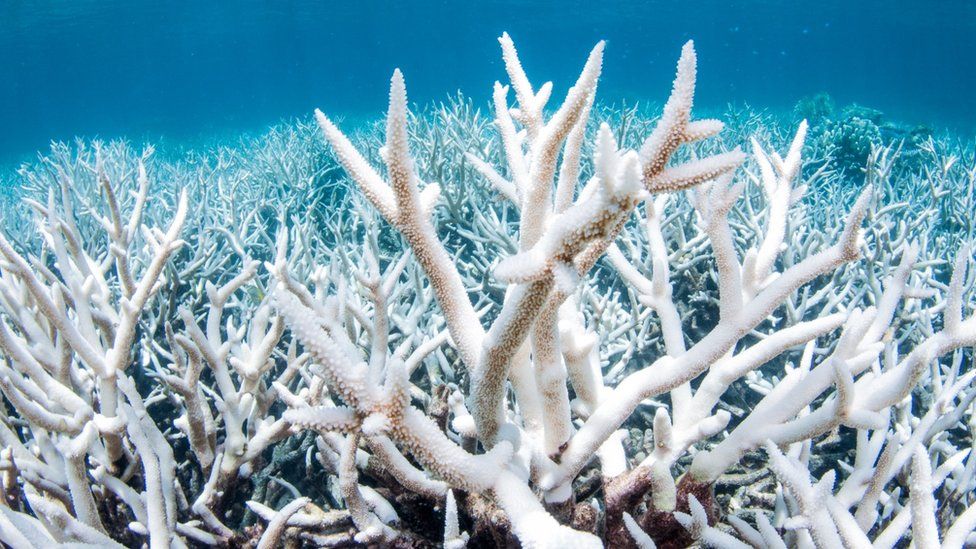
x=180 y=70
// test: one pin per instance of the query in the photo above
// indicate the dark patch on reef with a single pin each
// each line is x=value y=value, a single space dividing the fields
x=850 y=134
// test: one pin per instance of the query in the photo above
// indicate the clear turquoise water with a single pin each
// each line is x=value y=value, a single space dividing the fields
x=190 y=70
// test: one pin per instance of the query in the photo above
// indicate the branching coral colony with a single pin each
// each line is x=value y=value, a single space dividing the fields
x=473 y=386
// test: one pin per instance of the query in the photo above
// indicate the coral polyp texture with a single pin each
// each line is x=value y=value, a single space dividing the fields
x=578 y=328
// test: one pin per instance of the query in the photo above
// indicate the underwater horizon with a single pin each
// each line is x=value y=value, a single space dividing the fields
x=187 y=74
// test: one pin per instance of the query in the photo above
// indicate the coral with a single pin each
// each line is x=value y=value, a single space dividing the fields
x=449 y=344
x=853 y=135
x=864 y=113
x=815 y=109
x=851 y=140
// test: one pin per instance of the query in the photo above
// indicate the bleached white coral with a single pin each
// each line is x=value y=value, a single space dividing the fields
x=498 y=367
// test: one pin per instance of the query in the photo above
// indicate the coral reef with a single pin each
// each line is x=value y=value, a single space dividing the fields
x=852 y=138
x=815 y=109
x=545 y=330
x=851 y=135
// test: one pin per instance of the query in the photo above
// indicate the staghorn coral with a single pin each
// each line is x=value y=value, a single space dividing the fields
x=472 y=385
